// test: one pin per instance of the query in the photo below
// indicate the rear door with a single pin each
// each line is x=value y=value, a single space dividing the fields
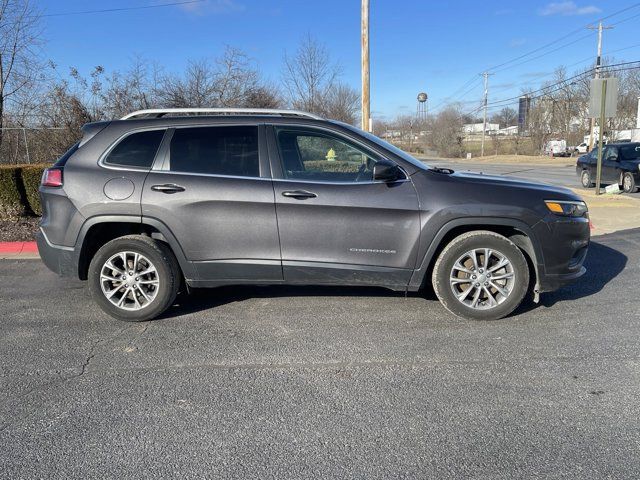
x=214 y=192
x=336 y=224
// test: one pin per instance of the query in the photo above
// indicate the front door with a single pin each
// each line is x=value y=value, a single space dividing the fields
x=610 y=165
x=336 y=224
x=215 y=195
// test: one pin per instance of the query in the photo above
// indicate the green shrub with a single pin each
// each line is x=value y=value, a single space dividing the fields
x=19 y=190
x=31 y=175
x=11 y=205
x=335 y=166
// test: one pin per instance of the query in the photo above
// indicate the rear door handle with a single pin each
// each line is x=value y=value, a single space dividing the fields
x=167 y=188
x=299 y=194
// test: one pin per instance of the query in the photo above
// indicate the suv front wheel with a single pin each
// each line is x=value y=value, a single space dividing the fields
x=134 y=278
x=481 y=275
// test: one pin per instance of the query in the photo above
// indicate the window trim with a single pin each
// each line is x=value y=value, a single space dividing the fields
x=111 y=166
x=264 y=170
x=275 y=150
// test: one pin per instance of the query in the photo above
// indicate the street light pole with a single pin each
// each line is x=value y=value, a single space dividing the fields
x=365 y=98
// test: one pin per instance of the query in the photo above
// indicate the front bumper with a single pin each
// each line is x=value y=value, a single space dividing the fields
x=564 y=244
x=58 y=259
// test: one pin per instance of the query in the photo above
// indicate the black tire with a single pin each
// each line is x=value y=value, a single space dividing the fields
x=467 y=242
x=166 y=266
x=628 y=183
x=586 y=180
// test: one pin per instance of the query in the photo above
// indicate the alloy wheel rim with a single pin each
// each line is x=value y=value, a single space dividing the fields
x=129 y=281
x=585 y=179
x=482 y=278
x=626 y=183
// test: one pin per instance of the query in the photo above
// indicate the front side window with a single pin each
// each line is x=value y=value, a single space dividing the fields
x=317 y=156
x=231 y=151
x=136 y=150
x=610 y=153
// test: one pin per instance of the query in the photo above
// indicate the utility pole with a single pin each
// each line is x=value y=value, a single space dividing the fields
x=365 y=98
x=484 y=104
x=600 y=27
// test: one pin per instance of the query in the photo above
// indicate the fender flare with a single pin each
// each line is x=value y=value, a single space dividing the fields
x=188 y=269
x=528 y=242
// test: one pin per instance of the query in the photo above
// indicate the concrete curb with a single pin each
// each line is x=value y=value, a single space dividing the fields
x=22 y=250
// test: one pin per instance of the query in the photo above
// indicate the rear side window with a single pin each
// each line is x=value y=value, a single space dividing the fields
x=136 y=150
x=630 y=152
x=229 y=151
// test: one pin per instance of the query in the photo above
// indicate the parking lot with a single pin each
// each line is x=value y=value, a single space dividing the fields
x=283 y=382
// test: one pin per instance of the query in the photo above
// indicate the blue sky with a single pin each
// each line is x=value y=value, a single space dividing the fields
x=416 y=45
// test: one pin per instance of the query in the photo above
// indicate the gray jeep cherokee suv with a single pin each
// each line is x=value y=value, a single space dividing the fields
x=208 y=197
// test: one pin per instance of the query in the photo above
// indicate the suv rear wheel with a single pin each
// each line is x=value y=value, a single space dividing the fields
x=134 y=278
x=628 y=183
x=481 y=275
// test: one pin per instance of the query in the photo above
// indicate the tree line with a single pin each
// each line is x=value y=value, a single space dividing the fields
x=53 y=102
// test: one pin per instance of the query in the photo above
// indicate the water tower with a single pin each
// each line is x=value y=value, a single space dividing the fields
x=421 y=112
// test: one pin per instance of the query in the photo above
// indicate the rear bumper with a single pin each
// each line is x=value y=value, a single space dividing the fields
x=58 y=259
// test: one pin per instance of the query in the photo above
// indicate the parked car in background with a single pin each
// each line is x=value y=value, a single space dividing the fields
x=620 y=164
x=168 y=199
x=557 y=148
x=582 y=148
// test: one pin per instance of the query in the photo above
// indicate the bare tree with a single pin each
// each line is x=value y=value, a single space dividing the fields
x=309 y=75
x=506 y=117
x=342 y=103
x=446 y=133
x=18 y=60
x=229 y=81
x=134 y=89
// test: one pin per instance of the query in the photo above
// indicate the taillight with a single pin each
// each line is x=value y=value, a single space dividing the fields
x=52 y=177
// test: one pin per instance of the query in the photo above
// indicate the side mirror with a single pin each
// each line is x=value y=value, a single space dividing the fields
x=386 y=171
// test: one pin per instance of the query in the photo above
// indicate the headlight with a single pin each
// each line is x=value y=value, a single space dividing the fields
x=567 y=208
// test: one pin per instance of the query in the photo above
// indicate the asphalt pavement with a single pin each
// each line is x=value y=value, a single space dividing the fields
x=283 y=382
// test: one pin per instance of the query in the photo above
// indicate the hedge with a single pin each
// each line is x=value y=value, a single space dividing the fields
x=19 y=190
x=334 y=166
x=10 y=199
x=31 y=176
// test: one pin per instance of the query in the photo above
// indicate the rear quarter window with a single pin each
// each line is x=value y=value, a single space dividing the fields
x=136 y=150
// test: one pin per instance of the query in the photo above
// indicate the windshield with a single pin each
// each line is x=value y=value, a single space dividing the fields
x=386 y=145
x=630 y=152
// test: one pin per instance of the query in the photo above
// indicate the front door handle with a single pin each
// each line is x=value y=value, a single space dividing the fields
x=167 y=188
x=299 y=194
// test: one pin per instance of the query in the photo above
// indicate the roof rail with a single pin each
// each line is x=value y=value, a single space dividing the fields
x=160 y=112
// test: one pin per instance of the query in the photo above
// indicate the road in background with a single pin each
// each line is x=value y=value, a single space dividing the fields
x=563 y=174
x=283 y=382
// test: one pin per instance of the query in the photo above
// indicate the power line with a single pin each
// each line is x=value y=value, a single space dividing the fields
x=544 y=47
x=122 y=9
x=546 y=53
x=549 y=89
x=572 y=79
x=573 y=32
x=473 y=80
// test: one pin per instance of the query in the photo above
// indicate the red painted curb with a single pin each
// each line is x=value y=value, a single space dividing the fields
x=18 y=247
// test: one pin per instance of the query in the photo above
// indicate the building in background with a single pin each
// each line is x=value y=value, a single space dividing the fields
x=524 y=105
